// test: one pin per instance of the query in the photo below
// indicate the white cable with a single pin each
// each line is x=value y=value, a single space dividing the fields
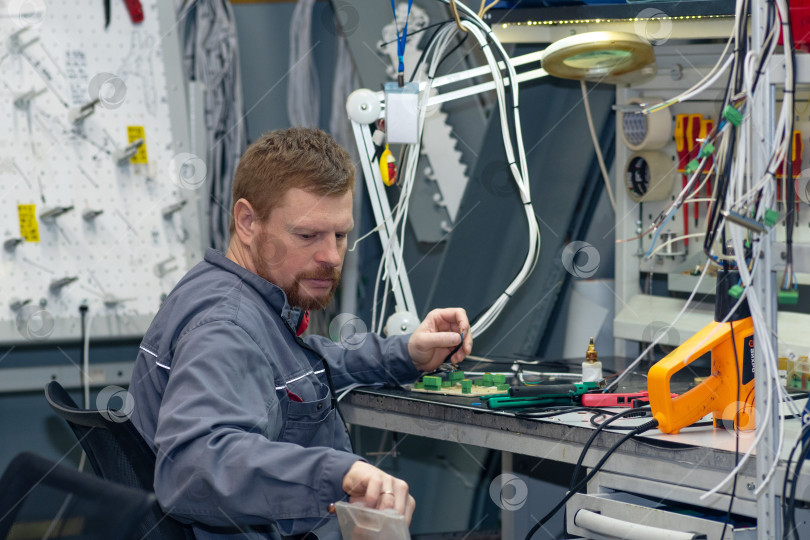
x=699 y=200
x=781 y=136
x=656 y=340
x=745 y=194
x=707 y=83
x=676 y=239
x=740 y=194
x=375 y=229
x=763 y=328
x=518 y=170
x=709 y=79
x=346 y=390
x=517 y=164
x=407 y=175
x=676 y=204
x=599 y=158
x=520 y=175
x=756 y=313
x=88 y=320
x=86 y=363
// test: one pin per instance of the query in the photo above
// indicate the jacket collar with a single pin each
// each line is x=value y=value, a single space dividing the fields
x=271 y=292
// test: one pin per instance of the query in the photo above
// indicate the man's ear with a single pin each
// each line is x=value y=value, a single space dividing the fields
x=244 y=217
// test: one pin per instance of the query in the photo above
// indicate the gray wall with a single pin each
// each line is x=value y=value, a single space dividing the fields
x=263 y=33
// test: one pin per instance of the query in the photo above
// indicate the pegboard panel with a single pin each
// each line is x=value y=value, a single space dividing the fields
x=86 y=216
x=682 y=67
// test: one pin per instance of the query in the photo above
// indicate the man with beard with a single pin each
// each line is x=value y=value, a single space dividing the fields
x=239 y=409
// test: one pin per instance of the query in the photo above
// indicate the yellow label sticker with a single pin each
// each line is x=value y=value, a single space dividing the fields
x=28 y=222
x=134 y=133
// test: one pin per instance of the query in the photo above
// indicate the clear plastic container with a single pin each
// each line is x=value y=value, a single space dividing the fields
x=360 y=523
x=798 y=374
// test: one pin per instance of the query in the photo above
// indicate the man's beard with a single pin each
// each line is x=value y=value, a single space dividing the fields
x=296 y=297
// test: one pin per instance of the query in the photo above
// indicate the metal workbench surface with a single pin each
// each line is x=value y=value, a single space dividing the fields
x=697 y=458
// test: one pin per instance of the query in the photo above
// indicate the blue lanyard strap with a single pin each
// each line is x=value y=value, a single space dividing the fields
x=401 y=39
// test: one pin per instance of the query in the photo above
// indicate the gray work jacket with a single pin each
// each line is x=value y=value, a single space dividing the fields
x=239 y=411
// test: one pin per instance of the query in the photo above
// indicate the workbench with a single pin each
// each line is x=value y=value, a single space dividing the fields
x=679 y=468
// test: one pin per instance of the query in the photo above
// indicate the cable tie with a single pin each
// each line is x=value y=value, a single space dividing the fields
x=507 y=294
x=527 y=203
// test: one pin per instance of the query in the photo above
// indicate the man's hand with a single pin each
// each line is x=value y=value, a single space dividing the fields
x=368 y=484
x=437 y=336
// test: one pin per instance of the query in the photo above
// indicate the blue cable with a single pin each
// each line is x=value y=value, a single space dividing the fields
x=660 y=227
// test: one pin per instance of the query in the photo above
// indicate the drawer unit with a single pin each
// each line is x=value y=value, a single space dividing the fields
x=630 y=517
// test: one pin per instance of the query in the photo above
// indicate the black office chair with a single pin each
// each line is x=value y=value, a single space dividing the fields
x=117 y=452
x=42 y=499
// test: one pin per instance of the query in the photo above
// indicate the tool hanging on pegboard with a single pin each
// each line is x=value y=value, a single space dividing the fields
x=134 y=8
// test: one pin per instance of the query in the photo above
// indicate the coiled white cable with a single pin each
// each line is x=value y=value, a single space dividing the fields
x=517 y=164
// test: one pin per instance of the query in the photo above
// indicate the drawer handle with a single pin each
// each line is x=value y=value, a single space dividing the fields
x=616 y=528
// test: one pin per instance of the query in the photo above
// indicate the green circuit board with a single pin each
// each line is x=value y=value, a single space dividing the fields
x=454 y=383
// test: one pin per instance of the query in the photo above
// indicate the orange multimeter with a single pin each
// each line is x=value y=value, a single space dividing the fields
x=717 y=394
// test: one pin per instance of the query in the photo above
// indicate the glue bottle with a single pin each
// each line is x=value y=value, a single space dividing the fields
x=591 y=368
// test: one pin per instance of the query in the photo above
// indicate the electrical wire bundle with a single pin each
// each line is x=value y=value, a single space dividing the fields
x=433 y=54
x=745 y=197
x=740 y=202
x=733 y=146
x=211 y=57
